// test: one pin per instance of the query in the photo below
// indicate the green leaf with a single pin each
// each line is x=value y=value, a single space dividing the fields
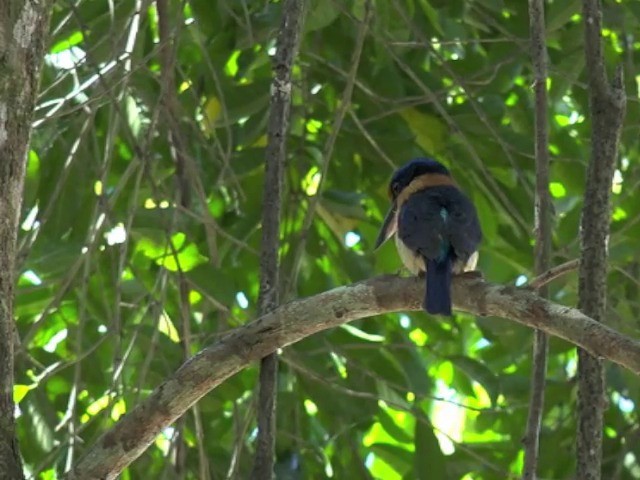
x=428 y=460
x=76 y=38
x=429 y=130
x=478 y=372
x=321 y=14
x=20 y=391
x=396 y=457
x=559 y=13
x=432 y=15
x=391 y=427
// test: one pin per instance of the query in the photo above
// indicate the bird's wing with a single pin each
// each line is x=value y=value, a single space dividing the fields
x=463 y=226
x=421 y=224
x=437 y=219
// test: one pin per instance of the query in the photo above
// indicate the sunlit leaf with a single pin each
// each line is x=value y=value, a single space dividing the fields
x=20 y=391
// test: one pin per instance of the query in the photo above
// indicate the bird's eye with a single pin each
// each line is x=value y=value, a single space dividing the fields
x=395 y=189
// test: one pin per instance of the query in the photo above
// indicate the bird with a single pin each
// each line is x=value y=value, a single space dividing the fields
x=436 y=227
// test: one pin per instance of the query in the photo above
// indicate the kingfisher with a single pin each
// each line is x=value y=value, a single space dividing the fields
x=436 y=228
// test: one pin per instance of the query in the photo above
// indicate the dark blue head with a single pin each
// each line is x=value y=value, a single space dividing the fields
x=426 y=172
x=409 y=172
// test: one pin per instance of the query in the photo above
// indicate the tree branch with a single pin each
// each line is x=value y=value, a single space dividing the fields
x=553 y=273
x=294 y=321
x=276 y=152
x=607 y=105
x=542 y=249
x=170 y=101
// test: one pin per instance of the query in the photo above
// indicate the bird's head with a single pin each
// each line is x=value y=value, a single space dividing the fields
x=418 y=174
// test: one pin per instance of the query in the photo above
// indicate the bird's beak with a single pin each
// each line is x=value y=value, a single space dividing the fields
x=389 y=226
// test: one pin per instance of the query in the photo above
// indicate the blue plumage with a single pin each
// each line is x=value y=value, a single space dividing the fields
x=437 y=297
x=437 y=228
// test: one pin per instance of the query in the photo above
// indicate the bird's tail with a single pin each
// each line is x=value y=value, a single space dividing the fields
x=437 y=300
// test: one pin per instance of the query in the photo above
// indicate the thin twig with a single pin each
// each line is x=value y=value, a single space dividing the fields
x=187 y=179
x=335 y=384
x=365 y=133
x=170 y=100
x=542 y=249
x=186 y=335
x=553 y=273
x=461 y=41
x=275 y=157
x=311 y=375
x=240 y=437
x=607 y=106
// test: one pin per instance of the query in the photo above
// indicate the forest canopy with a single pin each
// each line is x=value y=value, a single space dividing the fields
x=141 y=226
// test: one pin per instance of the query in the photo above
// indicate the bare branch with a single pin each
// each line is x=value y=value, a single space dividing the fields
x=607 y=104
x=296 y=320
x=281 y=86
x=592 y=16
x=542 y=249
x=170 y=100
x=553 y=273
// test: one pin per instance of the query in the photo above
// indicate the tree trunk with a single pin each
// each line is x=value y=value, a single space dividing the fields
x=23 y=32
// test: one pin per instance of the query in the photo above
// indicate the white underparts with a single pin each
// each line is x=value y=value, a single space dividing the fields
x=411 y=260
x=415 y=263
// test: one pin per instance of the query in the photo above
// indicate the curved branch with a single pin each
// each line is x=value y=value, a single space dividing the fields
x=296 y=320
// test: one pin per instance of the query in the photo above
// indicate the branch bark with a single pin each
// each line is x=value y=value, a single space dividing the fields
x=542 y=249
x=23 y=33
x=553 y=273
x=607 y=104
x=296 y=320
x=276 y=153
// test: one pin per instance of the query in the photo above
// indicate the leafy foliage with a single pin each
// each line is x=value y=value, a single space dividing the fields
x=123 y=277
